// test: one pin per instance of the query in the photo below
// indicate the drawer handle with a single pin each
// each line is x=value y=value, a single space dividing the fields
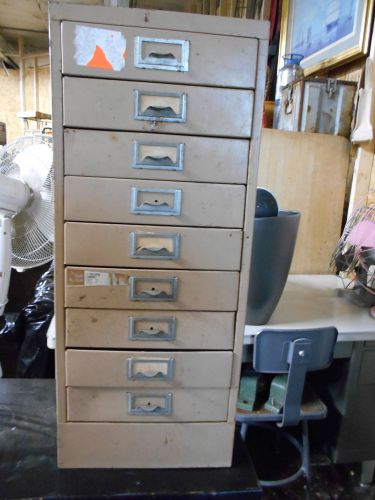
x=155 y=201
x=152 y=331
x=172 y=56
x=161 y=246
x=150 y=369
x=158 y=289
x=158 y=156
x=160 y=106
x=149 y=408
x=156 y=55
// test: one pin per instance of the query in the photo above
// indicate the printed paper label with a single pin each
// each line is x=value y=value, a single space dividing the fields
x=99 y=48
x=81 y=277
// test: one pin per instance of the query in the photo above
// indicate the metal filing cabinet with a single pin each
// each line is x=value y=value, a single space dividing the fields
x=157 y=119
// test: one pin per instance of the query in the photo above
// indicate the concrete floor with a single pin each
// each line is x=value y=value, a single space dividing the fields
x=329 y=481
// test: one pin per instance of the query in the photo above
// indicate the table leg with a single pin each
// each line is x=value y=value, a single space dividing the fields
x=367 y=472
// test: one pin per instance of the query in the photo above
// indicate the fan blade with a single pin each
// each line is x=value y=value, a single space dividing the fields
x=14 y=194
x=5 y=260
x=35 y=163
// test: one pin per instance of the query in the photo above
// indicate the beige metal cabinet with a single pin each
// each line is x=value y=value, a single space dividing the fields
x=129 y=155
x=113 y=288
x=157 y=120
x=154 y=202
x=135 y=329
x=152 y=246
x=147 y=405
x=142 y=107
x=191 y=58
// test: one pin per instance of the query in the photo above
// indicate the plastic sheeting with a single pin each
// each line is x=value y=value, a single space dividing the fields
x=25 y=335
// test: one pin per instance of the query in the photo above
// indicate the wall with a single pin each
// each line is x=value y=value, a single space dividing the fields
x=10 y=99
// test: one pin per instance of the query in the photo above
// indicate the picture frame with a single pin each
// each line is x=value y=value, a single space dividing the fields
x=326 y=32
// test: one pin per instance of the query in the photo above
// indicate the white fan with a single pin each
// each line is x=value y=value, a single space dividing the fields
x=26 y=207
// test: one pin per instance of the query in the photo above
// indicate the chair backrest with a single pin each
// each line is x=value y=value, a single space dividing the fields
x=294 y=352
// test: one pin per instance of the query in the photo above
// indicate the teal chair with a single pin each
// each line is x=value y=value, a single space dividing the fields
x=283 y=399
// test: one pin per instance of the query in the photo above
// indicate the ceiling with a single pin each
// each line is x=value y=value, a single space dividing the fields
x=29 y=19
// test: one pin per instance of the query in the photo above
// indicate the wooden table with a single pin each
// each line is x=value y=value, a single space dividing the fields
x=316 y=300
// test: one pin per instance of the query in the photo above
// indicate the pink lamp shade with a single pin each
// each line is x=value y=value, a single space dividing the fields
x=363 y=234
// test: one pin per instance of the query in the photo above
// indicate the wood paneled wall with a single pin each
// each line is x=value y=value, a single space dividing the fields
x=10 y=101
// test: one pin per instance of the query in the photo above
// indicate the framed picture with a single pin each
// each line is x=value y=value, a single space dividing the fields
x=325 y=32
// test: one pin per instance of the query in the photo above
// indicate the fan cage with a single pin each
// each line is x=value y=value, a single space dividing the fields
x=33 y=227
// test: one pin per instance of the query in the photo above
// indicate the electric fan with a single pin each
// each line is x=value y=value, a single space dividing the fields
x=26 y=207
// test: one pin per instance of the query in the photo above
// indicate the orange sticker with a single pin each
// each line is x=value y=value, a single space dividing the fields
x=99 y=60
x=99 y=48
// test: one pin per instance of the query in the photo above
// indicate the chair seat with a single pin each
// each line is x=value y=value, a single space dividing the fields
x=312 y=408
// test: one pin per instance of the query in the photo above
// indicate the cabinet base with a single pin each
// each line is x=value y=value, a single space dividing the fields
x=105 y=445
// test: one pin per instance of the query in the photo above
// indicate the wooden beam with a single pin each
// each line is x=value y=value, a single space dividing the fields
x=223 y=7
x=361 y=181
x=36 y=83
x=22 y=72
x=213 y=7
x=199 y=6
x=364 y=173
x=206 y=6
x=232 y=8
x=266 y=10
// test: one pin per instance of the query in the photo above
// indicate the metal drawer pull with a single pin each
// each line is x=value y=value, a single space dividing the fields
x=158 y=156
x=161 y=246
x=158 y=289
x=160 y=106
x=150 y=329
x=155 y=201
x=150 y=369
x=161 y=54
x=148 y=404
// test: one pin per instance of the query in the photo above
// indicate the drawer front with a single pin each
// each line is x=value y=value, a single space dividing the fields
x=148 y=369
x=146 y=107
x=152 y=246
x=99 y=153
x=92 y=199
x=103 y=51
x=134 y=329
x=146 y=405
x=140 y=445
x=151 y=289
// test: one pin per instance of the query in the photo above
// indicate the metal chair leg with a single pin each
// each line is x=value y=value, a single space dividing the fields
x=306 y=452
x=299 y=447
x=243 y=431
x=367 y=472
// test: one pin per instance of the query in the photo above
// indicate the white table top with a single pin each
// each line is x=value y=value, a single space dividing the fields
x=310 y=301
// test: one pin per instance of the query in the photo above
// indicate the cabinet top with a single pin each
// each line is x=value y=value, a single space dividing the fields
x=145 y=18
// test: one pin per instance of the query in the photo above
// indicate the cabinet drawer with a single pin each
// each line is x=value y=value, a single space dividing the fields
x=147 y=107
x=148 y=369
x=151 y=289
x=140 y=445
x=100 y=153
x=149 y=246
x=149 y=329
x=157 y=55
x=146 y=405
x=92 y=199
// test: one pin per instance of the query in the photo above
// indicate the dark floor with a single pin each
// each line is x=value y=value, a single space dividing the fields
x=329 y=481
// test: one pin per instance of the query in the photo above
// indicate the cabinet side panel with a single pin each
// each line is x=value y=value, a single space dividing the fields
x=248 y=227
x=57 y=105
